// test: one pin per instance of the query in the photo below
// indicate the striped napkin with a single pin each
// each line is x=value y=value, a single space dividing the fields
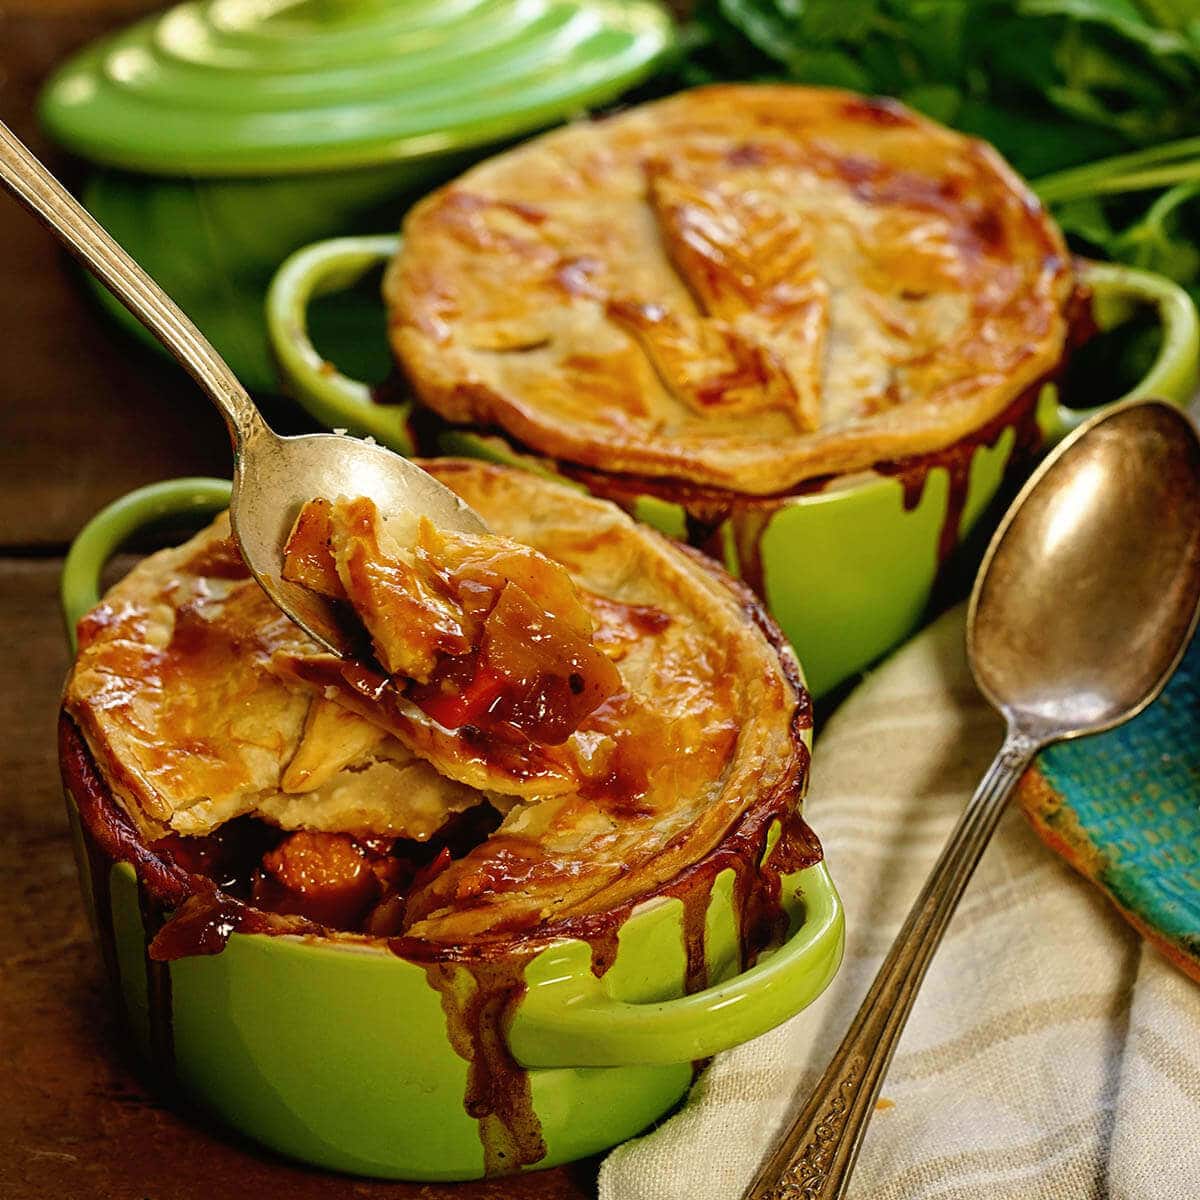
x=1050 y=1054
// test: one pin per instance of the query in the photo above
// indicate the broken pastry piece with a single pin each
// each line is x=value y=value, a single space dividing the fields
x=176 y=691
x=479 y=632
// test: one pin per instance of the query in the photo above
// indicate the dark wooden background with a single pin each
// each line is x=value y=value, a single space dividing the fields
x=86 y=415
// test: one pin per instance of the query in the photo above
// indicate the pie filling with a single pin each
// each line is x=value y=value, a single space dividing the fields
x=551 y=722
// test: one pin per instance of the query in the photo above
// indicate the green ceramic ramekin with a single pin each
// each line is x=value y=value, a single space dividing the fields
x=848 y=571
x=337 y=1053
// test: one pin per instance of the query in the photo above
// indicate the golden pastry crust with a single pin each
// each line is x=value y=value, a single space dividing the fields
x=717 y=696
x=179 y=693
x=743 y=286
x=174 y=688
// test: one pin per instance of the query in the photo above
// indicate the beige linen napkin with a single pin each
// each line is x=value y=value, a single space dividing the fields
x=1050 y=1053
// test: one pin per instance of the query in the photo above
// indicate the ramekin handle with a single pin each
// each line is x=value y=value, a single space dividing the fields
x=567 y=1019
x=334 y=398
x=113 y=526
x=1173 y=374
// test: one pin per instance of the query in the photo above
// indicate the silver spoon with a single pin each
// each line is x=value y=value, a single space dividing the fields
x=272 y=475
x=1082 y=609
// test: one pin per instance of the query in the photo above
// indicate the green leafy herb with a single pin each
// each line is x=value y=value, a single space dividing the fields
x=1096 y=101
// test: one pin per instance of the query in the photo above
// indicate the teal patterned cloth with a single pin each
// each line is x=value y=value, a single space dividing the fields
x=1135 y=794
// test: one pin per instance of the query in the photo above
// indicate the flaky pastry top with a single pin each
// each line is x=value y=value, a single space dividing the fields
x=742 y=286
x=201 y=702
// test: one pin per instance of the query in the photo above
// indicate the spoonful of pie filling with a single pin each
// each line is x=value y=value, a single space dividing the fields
x=479 y=632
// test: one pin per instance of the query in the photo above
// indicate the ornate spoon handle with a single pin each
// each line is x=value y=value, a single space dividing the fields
x=815 y=1157
x=83 y=236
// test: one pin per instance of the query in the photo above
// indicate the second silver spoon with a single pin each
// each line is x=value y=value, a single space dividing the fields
x=1085 y=603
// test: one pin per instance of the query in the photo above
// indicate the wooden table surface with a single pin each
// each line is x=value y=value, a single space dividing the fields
x=85 y=416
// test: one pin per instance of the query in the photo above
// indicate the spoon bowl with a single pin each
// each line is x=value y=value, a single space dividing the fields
x=1086 y=598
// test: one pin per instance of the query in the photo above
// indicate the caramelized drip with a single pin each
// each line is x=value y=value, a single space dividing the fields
x=956 y=460
x=203 y=924
x=707 y=510
x=100 y=866
x=604 y=943
x=479 y=999
x=158 y=986
x=695 y=949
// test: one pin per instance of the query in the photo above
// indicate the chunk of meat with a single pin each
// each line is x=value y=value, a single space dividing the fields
x=326 y=877
x=411 y=619
x=530 y=671
x=308 y=552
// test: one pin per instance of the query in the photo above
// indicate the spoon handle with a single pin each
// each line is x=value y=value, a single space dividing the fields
x=815 y=1157
x=75 y=227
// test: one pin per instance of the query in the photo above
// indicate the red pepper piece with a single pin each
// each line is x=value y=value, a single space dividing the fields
x=467 y=703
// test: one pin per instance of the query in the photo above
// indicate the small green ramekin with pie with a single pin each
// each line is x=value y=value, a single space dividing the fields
x=806 y=330
x=412 y=924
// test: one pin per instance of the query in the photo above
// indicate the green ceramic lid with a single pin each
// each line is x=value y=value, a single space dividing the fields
x=255 y=87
